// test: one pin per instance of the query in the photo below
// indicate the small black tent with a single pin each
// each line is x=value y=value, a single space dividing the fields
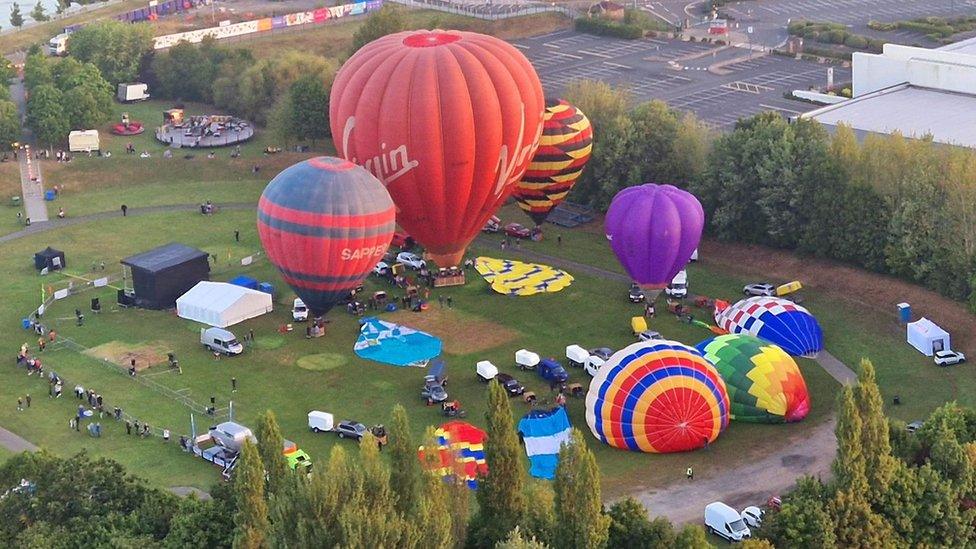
x=50 y=259
x=163 y=274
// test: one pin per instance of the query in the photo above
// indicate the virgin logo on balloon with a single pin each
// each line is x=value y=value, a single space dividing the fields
x=388 y=166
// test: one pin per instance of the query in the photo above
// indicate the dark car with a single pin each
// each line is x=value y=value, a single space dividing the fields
x=350 y=429
x=517 y=230
x=552 y=371
x=602 y=352
x=636 y=294
x=433 y=392
x=511 y=385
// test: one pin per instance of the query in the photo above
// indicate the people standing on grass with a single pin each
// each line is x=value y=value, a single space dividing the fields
x=27 y=399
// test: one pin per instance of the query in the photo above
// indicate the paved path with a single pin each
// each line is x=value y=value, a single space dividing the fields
x=31 y=183
x=751 y=484
x=14 y=442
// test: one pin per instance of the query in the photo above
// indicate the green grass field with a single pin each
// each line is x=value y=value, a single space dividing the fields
x=278 y=375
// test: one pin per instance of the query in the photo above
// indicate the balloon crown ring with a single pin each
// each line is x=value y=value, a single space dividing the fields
x=430 y=39
x=330 y=163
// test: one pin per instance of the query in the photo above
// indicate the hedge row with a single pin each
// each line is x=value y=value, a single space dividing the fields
x=604 y=27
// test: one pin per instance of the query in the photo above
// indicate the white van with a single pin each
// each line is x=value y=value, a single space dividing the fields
x=725 y=522
x=679 y=285
x=299 y=311
x=219 y=340
x=320 y=421
x=486 y=370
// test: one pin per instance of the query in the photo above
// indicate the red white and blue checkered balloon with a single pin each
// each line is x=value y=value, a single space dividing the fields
x=776 y=320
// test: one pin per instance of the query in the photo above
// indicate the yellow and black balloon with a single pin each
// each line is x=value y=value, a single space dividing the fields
x=564 y=149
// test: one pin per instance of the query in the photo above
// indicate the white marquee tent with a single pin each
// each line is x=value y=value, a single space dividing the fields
x=221 y=304
x=927 y=337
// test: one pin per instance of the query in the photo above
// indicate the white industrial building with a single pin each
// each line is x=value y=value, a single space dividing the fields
x=915 y=91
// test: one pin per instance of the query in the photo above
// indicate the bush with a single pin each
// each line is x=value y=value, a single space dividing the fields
x=846 y=92
x=797 y=27
x=838 y=36
x=855 y=41
x=879 y=26
x=603 y=27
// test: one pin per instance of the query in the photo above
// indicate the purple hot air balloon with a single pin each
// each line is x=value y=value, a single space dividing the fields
x=653 y=230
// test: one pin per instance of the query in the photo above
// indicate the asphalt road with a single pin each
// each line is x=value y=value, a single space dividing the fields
x=677 y=72
x=770 y=17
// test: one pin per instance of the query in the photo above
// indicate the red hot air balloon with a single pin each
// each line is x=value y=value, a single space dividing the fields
x=324 y=224
x=564 y=149
x=447 y=120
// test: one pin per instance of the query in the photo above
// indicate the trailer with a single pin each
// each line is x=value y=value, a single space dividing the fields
x=132 y=91
x=83 y=141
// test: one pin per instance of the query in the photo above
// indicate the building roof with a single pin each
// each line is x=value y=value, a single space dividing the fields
x=967 y=46
x=948 y=117
x=164 y=257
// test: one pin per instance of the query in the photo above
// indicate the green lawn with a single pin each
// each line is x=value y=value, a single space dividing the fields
x=272 y=376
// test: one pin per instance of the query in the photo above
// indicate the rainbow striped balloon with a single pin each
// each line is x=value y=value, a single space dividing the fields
x=657 y=396
x=764 y=383
x=324 y=224
x=564 y=149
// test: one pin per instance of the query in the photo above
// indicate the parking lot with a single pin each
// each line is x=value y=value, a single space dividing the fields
x=664 y=69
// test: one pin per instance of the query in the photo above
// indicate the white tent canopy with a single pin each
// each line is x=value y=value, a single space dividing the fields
x=221 y=304
x=927 y=337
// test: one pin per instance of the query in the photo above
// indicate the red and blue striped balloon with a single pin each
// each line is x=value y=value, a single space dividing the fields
x=324 y=224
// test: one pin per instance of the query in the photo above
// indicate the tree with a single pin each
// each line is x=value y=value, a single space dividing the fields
x=609 y=168
x=368 y=517
x=85 y=107
x=270 y=444
x=855 y=524
x=849 y=464
x=692 y=536
x=434 y=519
x=388 y=20
x=37 y=14
x=879 y=464
x=516 y=540
x=37 y=71
x=201 y=524
x=630 y=527
x=251 y=519
x=46 y=116
x=405 y=473
x=305 y=111
x=579 y=507
x=501 y=496
x=757 y=544
x=9 y=124
x=116 y=48
x=251 y=92
x=16 y=18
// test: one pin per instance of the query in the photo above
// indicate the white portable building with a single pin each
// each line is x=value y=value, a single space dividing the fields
x=83 y=141
x=221 y=304
x=927 y=337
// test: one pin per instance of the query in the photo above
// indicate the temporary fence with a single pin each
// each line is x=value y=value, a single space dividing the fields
x=268 y=24
x=487 y=10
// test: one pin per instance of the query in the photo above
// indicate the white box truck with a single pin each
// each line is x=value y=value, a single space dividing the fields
x=83 y=141
x=219 y=340
x=725 y=522
x=132 y=91
x=58 y=45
